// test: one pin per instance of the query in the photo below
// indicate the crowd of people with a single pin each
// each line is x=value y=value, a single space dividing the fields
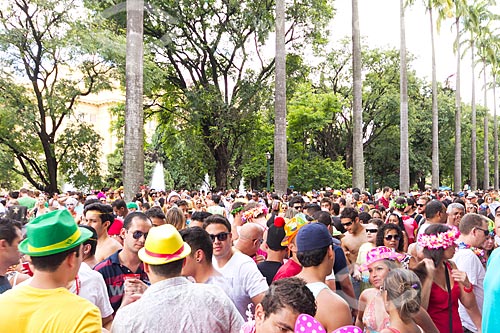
x=227 y=261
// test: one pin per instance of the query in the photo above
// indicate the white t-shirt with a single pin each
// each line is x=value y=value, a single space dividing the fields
x=93 y=288
x=468 y=262
x=245 y=279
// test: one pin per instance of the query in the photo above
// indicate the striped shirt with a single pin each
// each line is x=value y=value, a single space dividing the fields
x=113 y=272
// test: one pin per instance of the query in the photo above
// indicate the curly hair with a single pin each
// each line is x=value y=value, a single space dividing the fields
x=379 y=241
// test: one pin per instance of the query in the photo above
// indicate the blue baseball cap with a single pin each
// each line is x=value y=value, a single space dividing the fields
x=313 y=236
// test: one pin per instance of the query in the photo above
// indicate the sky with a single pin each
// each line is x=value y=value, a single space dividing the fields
x=379 y=26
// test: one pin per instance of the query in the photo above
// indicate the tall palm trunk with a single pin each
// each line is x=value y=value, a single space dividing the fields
x=457 y=184
x=404 y=168
x=133 y=151
x=495 y=133
x=358 y=172
x=435 y=114
x=486 y=182
x=473 y=151
x=280 y=144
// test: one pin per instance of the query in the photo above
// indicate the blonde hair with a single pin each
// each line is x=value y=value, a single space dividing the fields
x=175 y=217
x=404 y=291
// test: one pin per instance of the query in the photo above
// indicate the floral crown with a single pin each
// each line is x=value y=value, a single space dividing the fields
x=253 y=213
x=441 y=240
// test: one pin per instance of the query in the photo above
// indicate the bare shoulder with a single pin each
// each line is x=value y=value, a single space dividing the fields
x=330 y=299
x=368 y=294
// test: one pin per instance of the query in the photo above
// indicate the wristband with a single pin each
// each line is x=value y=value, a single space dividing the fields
x=469 y=290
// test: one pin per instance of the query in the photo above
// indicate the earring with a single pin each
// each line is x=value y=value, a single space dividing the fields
x=198 y=260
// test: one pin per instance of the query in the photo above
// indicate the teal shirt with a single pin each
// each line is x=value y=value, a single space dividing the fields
x=491 y=305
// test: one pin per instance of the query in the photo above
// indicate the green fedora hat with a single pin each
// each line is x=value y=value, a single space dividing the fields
x=52 y=233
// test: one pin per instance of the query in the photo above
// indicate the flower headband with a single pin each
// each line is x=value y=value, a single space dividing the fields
x=253 y=213
x=441 y=240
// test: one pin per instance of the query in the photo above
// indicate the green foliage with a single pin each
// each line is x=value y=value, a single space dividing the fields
x=314 y=172
x=207 y=77
x=79 y=143
x=48 y=59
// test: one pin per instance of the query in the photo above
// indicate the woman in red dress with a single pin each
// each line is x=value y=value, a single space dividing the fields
x=443 y=285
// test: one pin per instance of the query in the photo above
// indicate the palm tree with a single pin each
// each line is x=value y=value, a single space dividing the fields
x=404 y=168
x=133 y=150
x=487 y=55
x=280 y=144
x=358 y=172
x=435 y=114
x=443 y=9
x=476 y=14
x=457 y=178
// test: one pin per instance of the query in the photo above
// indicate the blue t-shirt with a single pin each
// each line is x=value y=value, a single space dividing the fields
x=4 y=284
x=491 y=305
x=340 y=266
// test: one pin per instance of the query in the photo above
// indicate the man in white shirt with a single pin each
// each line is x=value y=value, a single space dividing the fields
x=473 y=233
x=247 y=282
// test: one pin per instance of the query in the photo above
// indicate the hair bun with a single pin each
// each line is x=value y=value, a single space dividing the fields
x=279 y=222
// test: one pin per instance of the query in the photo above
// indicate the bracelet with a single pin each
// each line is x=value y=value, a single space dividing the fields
x=469 y=290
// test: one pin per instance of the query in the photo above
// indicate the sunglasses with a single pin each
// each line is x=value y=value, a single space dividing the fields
x=420 y=205
x=373 y=231
x=391 y=237
x=347 y=224
x=138 y=234
x=297 y=207
x=486 y=232
x=221 y=236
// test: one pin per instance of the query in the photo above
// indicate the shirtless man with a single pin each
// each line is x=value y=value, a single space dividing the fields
x=355 y=236
x=100 y=217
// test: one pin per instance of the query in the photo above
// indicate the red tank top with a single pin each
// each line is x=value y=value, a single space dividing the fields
x=438 y=308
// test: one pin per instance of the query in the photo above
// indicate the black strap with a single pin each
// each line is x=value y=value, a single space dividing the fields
x=449 y=297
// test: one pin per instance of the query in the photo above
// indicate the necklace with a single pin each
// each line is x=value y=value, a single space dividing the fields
x=477 y=251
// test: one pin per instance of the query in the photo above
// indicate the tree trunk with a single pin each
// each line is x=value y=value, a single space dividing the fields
x=404 y=168
x=435 y=114
x=358 y=170
x=495 y=134
x=48 y=150
x=221 y=158
x=457 y=181
x=280 y=144
x=133 y=150
x=473 y=150
x=486 y=182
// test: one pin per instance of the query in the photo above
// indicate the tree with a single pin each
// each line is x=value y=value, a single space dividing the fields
x=358 y=173
x=216 y=77
x=457 y=178
x=435 y=116
x=49 y=60
x=486 y=46
x=476 y=25
x=133 y=150
x=280 y=147
x=404 y=167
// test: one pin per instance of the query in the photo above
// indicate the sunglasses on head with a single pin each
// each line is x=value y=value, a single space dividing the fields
x=373 y=231
x=391 y=237
x=221 y=236
x=138 y=234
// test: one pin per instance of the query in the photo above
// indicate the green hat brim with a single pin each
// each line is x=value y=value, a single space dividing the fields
x=23 y=246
